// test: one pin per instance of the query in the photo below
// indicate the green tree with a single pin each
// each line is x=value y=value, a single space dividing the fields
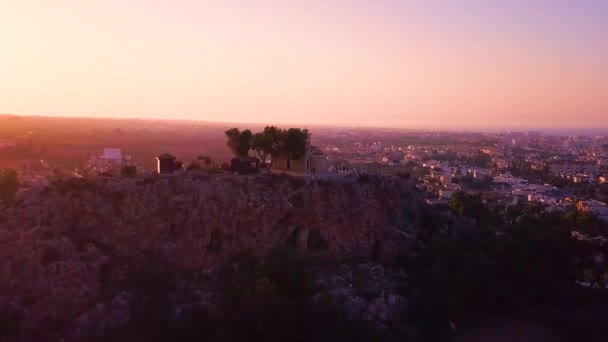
x=9 y=185
x=275 y=138
x=467 y=204
x=194 y=166
x=271 y=299
x=128 y=171
x=295 y=143
x=178 y=165
x=239 y=142
x=269 y=143
x=272 y=142
x=206 y=161
x=262 y=144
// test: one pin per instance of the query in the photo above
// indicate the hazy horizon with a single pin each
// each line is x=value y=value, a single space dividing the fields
x=478 y=65
x=590 y=131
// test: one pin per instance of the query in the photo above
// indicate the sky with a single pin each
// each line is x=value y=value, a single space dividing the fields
x=408 y=63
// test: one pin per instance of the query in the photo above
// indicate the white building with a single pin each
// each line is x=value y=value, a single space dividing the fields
x=432 y=163
x=572 y=168
x=110 y=159
x=510 y=179
x=480 y=173
x=112 y=155
x=581 y=178
x=543 y=198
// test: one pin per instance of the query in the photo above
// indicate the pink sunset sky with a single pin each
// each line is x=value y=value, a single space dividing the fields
x=461 y=63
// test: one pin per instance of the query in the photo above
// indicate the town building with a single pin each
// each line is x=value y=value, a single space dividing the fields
x=581 y=178
x=165 y=164
x=318 y=160
x=574 y=167
x=393 y=159
x=111 y=159
x=595 y=207
x=543 y=198
x=113 y=155
x=508 y=178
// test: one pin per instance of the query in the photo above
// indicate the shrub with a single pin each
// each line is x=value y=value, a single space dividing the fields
x=363 y=178
x=128 y=171
x=50 y=255
x=9 y=185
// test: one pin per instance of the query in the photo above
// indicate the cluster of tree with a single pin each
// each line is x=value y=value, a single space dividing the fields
x=477 y=160
x=524 y=169
x=521 y=168
x=272 y=299
x=583 y=189
x=467 y=204
x=602 y=192
x=460 y=276
x=9 y=185
x=128 y=171
x=268 y=145
x=532 y=264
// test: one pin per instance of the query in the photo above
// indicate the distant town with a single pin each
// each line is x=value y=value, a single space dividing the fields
x=507 y=168
x=466 y=217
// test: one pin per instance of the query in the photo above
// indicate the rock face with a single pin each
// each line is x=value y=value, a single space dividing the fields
x=365 y=290
x=61 y=249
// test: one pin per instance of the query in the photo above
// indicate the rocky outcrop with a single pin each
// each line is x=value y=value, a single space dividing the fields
x=367 y=291
x=66 y=251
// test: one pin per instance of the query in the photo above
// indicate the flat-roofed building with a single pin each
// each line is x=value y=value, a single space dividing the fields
x=574 y=167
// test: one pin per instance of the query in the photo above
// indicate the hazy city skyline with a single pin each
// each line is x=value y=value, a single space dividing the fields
x=386 y=63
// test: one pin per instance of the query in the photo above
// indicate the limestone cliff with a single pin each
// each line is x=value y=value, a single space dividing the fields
x=63 y=247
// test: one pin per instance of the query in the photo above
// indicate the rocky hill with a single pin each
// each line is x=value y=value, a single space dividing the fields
x=67 y=251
